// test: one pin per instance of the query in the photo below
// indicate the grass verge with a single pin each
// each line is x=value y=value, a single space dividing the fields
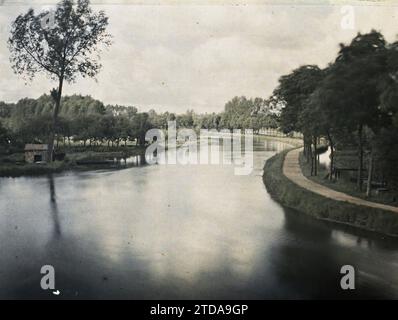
x=17 y=170
x=344 y=185
x=13 y=166
x=291 y=195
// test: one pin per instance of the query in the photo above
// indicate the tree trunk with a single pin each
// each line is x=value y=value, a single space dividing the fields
x=331 y=168
x=360 y=158
x=310 y=152
x=370 y=176
x=305 y=150
x=55 y=120
x=315 y=156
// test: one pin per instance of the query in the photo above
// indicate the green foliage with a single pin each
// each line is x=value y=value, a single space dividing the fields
x=243 y=113
x=298 y=198
x=293 y=92
x=12 y=170
x=61 y=44
x=352 y=102
x=387 y=149
x=87 y=121
x=5 y=137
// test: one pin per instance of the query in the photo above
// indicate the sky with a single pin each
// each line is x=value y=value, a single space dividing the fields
x=170 y=56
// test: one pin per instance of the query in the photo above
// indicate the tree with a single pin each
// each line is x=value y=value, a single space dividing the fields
x=386 y=147
x=141 y=125
x=352 y=88
x=243 y=113
x=311 y=123
x=62 y=47
x=5 y=110
x=293 y=93
x=4 y=137
x=326 y=120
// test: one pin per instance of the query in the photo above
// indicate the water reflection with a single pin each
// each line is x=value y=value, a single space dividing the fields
x=135 y=161
x=193 y=231
x=53 y=206
x=310 y=266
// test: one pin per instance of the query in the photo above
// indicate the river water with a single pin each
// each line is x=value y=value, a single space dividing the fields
x=173 y=231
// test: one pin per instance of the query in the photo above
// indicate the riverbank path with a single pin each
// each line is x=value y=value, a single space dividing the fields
x=292 y=170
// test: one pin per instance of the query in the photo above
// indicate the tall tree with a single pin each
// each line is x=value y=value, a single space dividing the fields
x=352 y=88
x=326 y=117
x=4 y=137
x=292 y=94
x=63 y=44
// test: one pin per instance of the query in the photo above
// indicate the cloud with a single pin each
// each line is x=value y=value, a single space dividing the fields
x=175 y=57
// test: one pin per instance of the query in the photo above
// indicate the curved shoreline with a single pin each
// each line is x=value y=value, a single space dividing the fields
x=90 y=161
x=315 y=204
x=293 y=171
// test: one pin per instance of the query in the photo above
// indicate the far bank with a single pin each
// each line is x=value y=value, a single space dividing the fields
x=76 y=158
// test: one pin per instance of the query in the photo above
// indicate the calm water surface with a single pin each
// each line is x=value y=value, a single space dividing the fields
x=193 y=232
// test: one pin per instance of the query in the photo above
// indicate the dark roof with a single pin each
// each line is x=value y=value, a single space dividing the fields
x=36 y=147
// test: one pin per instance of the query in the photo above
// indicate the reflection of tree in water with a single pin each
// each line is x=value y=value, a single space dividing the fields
x=308 y=264
x=54 y=206
x=273 y=145
x=135 y=161
x=308 y=228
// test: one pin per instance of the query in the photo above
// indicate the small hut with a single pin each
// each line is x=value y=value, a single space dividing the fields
x=36 y=153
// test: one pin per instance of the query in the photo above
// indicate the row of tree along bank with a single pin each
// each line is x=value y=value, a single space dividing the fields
x=352 y=104
x=65 y=43
x=85 y=121
x=90 y=132
x=317 y=206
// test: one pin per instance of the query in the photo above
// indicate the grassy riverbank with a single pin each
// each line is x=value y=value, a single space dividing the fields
x=78 y=157
x=75 y=159
x=388 y=197
x=16 y=170
x=317 y=206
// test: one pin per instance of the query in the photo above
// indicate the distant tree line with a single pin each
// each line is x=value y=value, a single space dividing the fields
x=86 y=121
x=352 y=103
x=81 y=119
x=63 y=43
